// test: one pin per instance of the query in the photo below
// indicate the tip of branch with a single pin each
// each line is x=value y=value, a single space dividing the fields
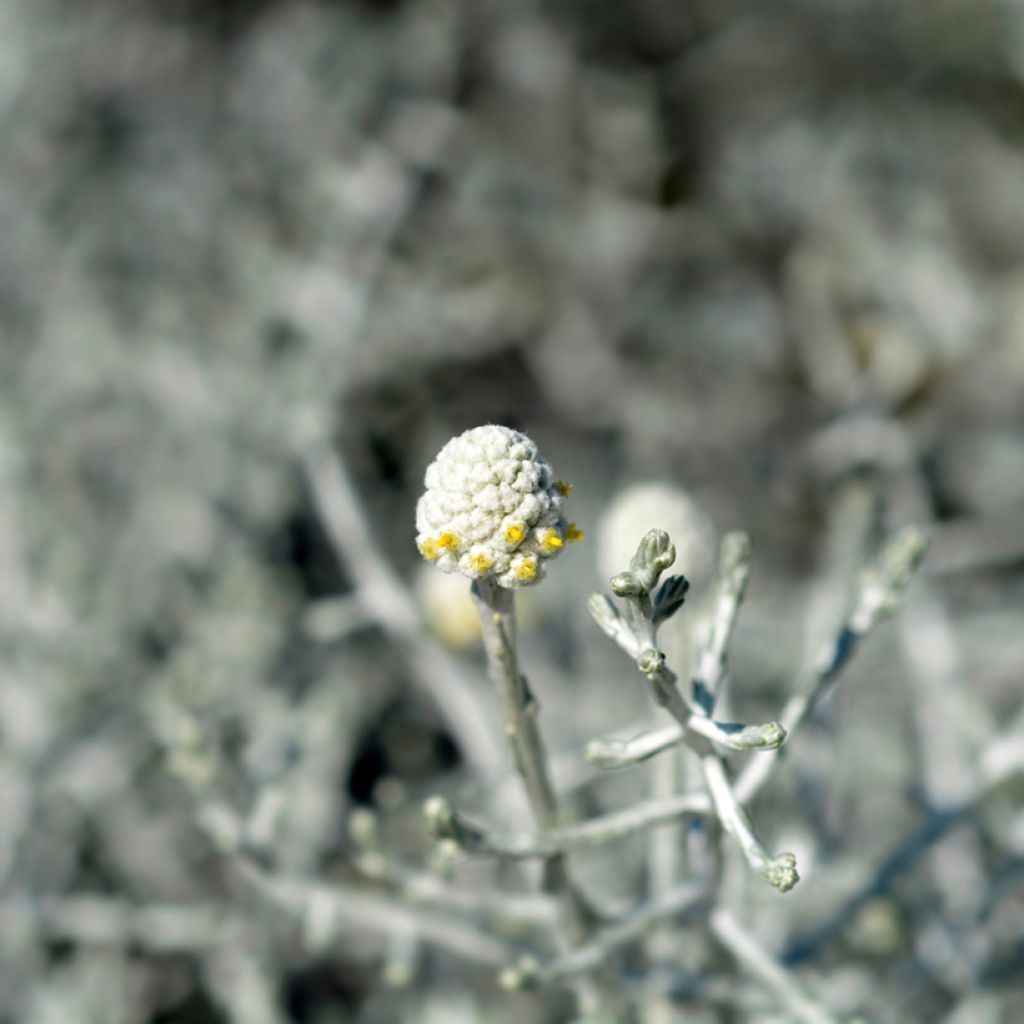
x=884 y=582
x=782 y=872
x=439 y=816
x=736 y=552
x=520 y=975
x=769 y=736
x=604 y=752
x=651 y=661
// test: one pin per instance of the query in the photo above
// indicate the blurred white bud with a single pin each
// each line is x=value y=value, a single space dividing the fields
x=448 y=608
x=877 y=930
x=661 y=506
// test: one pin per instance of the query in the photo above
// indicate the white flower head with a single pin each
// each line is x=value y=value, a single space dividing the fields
x=493 y=508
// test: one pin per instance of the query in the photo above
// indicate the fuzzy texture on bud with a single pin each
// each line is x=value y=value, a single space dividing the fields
x=492 y=508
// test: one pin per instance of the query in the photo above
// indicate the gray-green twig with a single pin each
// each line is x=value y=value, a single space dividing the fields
x=880 y=589
x=611 y=752
x=447 y=823
x=755 y=959
x=529 y=972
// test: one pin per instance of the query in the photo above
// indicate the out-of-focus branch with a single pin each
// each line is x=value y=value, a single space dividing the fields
x=527 y=972
x=327 y=911
x=387 y=600
x=950 y=725
x=970 y=544
x=244 y=985
x=755 y=959
x=509 y=913
x=733 y=572
x=1002 y=760
x=104 y=921
x=334 y=618
x=447 y=823
x=880 y=590
x=324 y=910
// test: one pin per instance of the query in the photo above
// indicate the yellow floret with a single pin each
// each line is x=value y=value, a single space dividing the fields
x=432 y=547
x=573 y=533
x=552 y=541
x=515 y=532
x=480 y=562
x=564 y=488
x=527 y=568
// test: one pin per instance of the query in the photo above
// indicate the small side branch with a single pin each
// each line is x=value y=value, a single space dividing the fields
x=1003 y=760
x=103 y=921
x=507 y=913
x=383 y=597
x=326 y=911
x=779 y=871
x=738 y=737
x=734 y=570
x=750 y=955
x=448 y=824
x=609 y=752
x=881 y=588
x=607 y=617
x=529 y=973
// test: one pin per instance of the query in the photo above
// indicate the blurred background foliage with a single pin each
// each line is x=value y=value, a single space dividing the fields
x=737 y=247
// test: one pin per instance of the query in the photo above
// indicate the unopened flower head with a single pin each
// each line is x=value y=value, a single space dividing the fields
x=667 y=507
x=493 y=508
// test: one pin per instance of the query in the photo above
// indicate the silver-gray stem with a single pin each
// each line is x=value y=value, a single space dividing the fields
x=497 y=617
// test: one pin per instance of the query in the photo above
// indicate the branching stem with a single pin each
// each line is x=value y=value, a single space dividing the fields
x=752 y=956
x=446 y=823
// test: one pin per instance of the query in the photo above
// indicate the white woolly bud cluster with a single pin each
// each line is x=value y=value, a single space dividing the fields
x=492 y=508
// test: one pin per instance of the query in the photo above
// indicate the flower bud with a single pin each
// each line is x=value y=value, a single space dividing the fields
x=493 y=509
x=651 y=661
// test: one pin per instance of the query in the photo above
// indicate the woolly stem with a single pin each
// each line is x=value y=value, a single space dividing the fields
x=497 y=615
